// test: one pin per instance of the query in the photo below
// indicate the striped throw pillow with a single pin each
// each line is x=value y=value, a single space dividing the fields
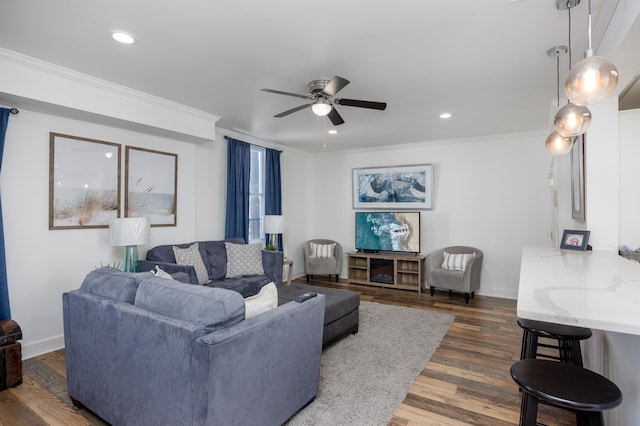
x=323 y=250
x=456 y=262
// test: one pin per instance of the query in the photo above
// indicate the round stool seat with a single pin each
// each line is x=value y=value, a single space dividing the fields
x=565 y=385
x=555 y=331
x=568 y=338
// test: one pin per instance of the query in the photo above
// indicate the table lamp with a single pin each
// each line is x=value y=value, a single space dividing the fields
x=273 y=225
x=130 y=232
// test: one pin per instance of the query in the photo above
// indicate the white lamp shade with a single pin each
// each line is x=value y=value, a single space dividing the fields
x=130 y=231
x=557 y=144
x=321 y=109
x=572 y=120
x=591 y=80
x=273 y=224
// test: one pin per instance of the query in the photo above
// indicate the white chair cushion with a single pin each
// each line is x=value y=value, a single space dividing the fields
x=456 y=262
x=323 y=250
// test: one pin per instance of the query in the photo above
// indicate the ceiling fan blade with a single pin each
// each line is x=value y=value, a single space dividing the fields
x=280 y=92
x=335 y=118
x=335 y=85
x=361 y=104
x=292 y=110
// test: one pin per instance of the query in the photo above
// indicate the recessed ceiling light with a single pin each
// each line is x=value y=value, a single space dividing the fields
x=445 y=115
x=333 y=132
x=123 y=37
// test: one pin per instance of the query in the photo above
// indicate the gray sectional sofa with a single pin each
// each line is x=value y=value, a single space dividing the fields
x=214 y=257
x=147 y=350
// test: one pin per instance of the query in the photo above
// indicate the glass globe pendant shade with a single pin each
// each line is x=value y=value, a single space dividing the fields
x=557 y=144
x=591 y=80
x=572 y=120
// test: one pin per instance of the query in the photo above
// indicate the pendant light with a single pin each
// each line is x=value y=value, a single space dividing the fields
x=556 y=143
x=593 y=79
x=571 y=120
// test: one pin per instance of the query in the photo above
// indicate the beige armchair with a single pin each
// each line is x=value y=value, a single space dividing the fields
x=467 y=281
x=319 y=264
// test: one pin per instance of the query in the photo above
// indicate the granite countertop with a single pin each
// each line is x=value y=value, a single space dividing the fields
x=595 y=289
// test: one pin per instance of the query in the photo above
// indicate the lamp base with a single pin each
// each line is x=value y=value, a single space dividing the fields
x=130 y=259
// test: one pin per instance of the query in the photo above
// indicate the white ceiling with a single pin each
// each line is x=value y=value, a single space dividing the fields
x=484 y=61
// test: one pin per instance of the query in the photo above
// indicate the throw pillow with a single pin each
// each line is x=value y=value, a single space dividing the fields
x=265 y=300
x=243 y=259
x=323 y=250
x=456 y=262
x=162 y=274
x=191 y=257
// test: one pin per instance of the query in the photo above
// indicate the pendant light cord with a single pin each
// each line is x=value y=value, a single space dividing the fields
x=590 y=26
x=570 y=60
x=558 y=78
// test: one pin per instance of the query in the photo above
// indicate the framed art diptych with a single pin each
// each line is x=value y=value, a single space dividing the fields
x=151 y=182
x=84 y=182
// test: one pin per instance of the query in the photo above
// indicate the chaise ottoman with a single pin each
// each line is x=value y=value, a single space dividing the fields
x=341 y=309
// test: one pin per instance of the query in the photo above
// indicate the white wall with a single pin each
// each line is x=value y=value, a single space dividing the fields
x=491 y=193
x=629 y=178
x=42 y=264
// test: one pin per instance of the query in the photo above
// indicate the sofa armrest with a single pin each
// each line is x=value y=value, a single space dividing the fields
x=272 y=263
x=170 y=268
x=279 y=349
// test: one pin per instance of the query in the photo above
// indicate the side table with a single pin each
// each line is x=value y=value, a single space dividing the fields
x=288 y=267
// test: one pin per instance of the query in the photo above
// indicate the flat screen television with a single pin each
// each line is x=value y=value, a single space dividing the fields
x=388 y=231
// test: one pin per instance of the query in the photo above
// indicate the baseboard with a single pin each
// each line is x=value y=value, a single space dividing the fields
x=35 y=349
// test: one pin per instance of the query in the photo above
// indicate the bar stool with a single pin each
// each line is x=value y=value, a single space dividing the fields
x=568 y=338
x=565 y=386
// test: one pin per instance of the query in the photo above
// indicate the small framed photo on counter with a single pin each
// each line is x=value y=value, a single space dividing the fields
x=575 y=240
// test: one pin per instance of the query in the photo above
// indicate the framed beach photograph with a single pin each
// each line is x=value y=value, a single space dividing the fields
x=151 y=182
x=575 y=240
x=396 y=187
x=84 y=182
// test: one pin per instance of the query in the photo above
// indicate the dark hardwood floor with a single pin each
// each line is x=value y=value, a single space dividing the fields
x=466 y=382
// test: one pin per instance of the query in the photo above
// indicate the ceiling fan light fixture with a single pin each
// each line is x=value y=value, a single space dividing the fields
x=321 y=108
x=572 y=120
x=557 y=144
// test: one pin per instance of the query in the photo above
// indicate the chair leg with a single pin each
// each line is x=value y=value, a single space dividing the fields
x=528 y=410
x=307 y=278
x=432 y=290
x=337 y=277
x=473 y=294
x=466 y=298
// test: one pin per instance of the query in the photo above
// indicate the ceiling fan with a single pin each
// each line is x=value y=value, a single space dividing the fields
x=321 y=93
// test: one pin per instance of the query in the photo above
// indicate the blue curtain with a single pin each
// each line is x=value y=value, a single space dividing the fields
x=272 y=186
x=238 y=173
x=5 y=311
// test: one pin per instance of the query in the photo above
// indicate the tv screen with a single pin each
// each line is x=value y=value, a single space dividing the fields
x=388 y=231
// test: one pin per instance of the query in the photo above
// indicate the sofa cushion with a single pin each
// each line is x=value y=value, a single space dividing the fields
x=114 y=284
x=213 y=308
x=266 y=299
x=216 y=254
x=247 y=286
x=191 y=256
x=243 y=259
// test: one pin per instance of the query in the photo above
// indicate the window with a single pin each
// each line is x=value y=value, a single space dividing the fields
x=256 y=194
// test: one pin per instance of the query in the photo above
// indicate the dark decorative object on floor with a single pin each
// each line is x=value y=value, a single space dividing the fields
x=10 y=354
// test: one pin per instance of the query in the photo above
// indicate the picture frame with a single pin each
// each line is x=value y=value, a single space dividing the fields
x=151 y=185
x=393 y=187
x=575 y=239
x=84 y=182
x=577 y=179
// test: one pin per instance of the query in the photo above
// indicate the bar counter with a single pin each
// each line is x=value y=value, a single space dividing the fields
x=595 y=289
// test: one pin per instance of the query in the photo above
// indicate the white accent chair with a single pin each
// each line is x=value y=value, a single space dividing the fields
x=322 y=265
x=467 y=281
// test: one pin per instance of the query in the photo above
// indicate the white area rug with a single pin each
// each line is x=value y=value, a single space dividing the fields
x=364 y=378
